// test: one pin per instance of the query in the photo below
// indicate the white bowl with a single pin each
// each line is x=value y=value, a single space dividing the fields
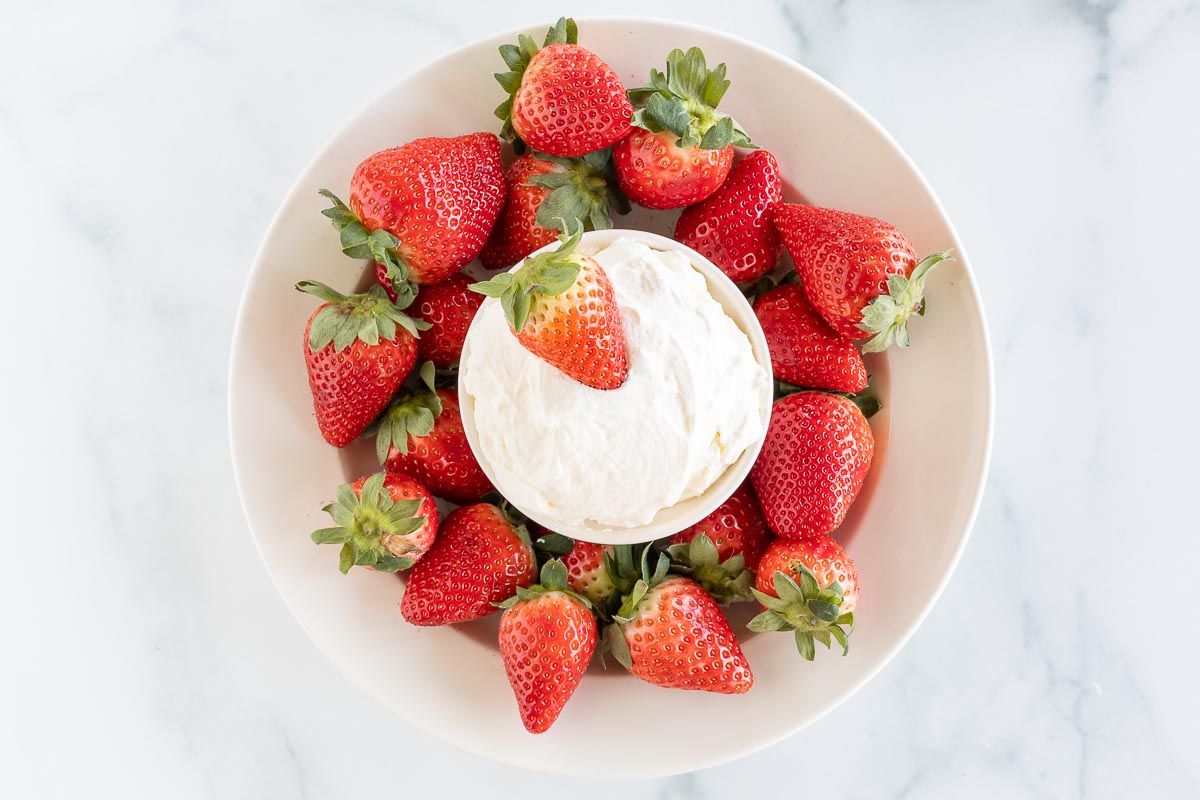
x=686 y=512
x=905 y=533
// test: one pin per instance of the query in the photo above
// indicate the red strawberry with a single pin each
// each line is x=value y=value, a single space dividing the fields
x=422 y=211
x=813 y=462
x=808 y=586
x=480 y=557
x=385 y=522
x=548 y=193
x=563 y=100
x=671 y=633
x=859 y=273
x=587 y=572
x=736 y=527
x=681 y=149
x=547 y=637
x=804 y=350
x=448 y=307
x=358 y=349
x=733 y=228
x=422 y=435
x=562 y=309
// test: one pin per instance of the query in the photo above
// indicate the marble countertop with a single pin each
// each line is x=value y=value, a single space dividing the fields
x=144 y=147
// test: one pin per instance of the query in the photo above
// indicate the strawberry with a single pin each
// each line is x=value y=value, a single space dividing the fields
x=421 y=434
x=385 y=522
x=681 y=148
x=546 y=193
x=563 y=100
x=736 y=527
x=480 y=558
x=547 y=637
x=733 y=228
x=358 y=349
x=562 y=309
x=587 y=572
x=813 y=462
x=804 y=350
x=670 y=632
x=808 y=586
x=448 y=307
x=421 y=211
x=859 y=273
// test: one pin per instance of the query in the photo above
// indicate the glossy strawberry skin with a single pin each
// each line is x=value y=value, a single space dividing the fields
x=546 y=644
x=733 y=228
x=399 y=488
x=580 y=331
x=478 y=559
x=586 y=573
x=570 y=102
x=821 y=555
x=655 y=172
x=805 y=351
x=843 y=260
x=679 y=639
x=443 y=461
x=352 y=387
x=439 y=196
x=448 y=307
x=736 y=526
x=517 y=233
x=814 y=460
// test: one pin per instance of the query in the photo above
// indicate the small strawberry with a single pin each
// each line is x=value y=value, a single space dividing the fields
x=721 y=551
x=547 y=637
x=421 y=434
x=681 y=148
x=670 y=632
x=808 y=586
x=448 y=307
x=804 y=350
x=480 y=558
x=587 y=572
x=859 y=273
x=813 y=463
x=358 y=349
x=563 y=100
x=562 y=309
x=385 y=522
x=546 y=193
x=421 y=211
x=733 y=228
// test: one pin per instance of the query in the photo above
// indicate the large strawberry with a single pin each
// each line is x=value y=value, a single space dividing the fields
x=813 y=463
x=681 y=148
x=670 y=632
x=563 y=100
x=860 y=273
x=547 y=637
x=547 y=194
x=562 y=309
x=721 y=551
x=358 y=349
x=421 y=434
x=805 y=351
x=808 y=586
x=386 y=522
x=422 y=211
x=733 y=228
x=480 y=558
x=448 y=307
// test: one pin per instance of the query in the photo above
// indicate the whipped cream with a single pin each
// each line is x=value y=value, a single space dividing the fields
x=574 y=456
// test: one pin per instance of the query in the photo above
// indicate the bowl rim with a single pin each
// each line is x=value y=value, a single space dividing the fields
x=734 y=752
x=686 y=512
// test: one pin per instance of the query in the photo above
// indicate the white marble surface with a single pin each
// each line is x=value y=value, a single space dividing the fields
x=143 y=148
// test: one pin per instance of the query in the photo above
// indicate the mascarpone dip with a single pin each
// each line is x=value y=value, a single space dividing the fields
x=574 y=456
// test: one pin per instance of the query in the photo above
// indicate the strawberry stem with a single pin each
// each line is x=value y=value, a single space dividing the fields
x=886 y=317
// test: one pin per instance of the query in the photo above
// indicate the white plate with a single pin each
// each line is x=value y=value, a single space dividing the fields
x=905 y=533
